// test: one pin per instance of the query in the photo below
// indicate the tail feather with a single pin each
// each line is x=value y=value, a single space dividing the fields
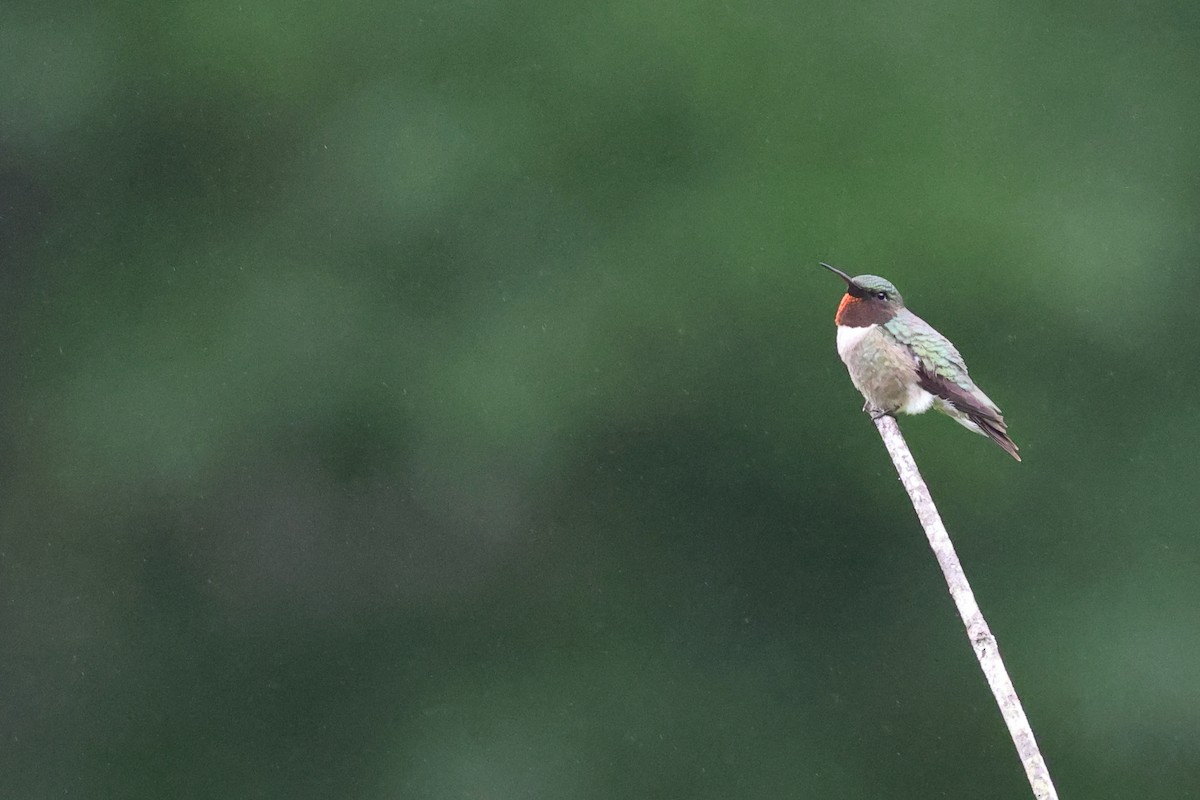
x=995 y=429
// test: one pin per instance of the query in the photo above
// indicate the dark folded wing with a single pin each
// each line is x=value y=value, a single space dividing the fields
x=983 y=413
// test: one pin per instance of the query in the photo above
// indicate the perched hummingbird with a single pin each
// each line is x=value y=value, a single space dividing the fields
x=900 y=363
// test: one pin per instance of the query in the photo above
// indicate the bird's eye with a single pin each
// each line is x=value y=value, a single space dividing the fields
x=881 y=295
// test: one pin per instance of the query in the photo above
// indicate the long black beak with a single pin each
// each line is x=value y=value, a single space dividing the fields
x=851 y=287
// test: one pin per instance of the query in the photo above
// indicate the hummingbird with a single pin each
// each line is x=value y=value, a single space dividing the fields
x=900 y=363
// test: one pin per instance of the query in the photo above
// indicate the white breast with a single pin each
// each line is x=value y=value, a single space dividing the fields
x=848 y=338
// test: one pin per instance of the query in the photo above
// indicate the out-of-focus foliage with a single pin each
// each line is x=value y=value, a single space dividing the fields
x=440 y=400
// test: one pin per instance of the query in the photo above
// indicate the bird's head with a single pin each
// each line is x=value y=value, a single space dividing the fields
x=869 y=300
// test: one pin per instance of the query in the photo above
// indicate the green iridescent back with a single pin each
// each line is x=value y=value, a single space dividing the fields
x=935 y=350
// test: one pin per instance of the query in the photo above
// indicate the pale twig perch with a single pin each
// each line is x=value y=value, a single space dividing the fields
x=982 y=640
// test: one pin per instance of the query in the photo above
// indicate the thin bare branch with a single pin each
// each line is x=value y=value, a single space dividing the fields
x=982 y=640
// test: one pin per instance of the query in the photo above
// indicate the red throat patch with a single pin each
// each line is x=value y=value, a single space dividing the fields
x=847 y=308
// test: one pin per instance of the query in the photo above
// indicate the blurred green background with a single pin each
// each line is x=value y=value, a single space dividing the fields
x=439 y=400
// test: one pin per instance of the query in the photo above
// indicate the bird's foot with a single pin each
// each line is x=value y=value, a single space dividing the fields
x=876 y=413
